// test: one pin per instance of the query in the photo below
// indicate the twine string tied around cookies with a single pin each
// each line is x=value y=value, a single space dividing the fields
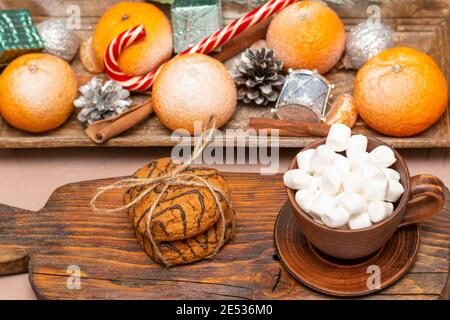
x=176 y=177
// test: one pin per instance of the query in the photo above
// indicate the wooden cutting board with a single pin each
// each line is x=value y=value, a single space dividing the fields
x=65 y=234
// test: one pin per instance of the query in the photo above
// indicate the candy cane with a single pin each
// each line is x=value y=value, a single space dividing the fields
x=143 y=83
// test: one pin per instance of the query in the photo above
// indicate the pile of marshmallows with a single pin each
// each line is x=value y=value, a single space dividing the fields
x=355 y=190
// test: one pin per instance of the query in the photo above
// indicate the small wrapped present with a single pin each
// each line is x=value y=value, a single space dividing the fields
x=17 y=35
x=194 y=20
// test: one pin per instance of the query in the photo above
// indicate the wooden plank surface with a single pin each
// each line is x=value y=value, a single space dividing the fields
x=113 y=266
x=420 y=24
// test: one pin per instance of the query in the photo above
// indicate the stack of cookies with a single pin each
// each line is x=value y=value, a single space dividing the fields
x=186 y=224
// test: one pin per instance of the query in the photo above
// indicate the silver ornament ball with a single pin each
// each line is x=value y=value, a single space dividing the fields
x=366 y=40
x=58 y=38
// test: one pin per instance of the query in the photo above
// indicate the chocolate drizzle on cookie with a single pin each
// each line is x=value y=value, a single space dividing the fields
x=194 y=248
x=200 y=199
x=187 y=207
x=181 y=214
x=177 y=208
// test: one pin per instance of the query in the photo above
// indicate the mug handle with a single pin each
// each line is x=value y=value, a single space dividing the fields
x=427 y=197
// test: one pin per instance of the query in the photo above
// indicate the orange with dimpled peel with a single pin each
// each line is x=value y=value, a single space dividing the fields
x=144 y=55
x=307 y=35
x=401 y=92
x=37 y=92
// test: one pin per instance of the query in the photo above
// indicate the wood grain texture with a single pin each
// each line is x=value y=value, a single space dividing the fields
x=421 y=24
x=113 y=266
x=291 y=128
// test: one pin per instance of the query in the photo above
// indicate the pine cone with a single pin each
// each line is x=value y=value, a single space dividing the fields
x=258 y=76
x=100 y=101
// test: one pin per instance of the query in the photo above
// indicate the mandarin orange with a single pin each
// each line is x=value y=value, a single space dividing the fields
x=401 y=92
x=37 y=92
x=148 y=53
x=307 y=35
x=208 y=89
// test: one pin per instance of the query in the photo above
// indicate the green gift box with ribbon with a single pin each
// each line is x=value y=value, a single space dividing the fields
x=18 y=35
x=194 y=20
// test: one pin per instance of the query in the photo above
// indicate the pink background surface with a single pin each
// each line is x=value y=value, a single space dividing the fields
x=28 y=177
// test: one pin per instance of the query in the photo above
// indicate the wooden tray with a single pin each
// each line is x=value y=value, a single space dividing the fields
x=113 y=266
x=416 y=23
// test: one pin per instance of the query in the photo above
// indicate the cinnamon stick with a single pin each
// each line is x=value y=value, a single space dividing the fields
x=288 y=128
x=242 y=41
x=102 y=131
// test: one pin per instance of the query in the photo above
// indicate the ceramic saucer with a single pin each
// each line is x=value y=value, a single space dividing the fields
x=348 y=278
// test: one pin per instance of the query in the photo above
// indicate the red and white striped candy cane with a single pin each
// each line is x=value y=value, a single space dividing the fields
x=218 y=38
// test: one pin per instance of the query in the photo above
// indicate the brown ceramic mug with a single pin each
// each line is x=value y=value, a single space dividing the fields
x=424 y=196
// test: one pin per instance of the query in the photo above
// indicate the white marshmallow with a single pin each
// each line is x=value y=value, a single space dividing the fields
x=353 y=182
x=323 y=203
x=382 y=156
x=371 y=171
x=358 y=159
x=375 y=189
x=357 y=143
x=336 y=218
x=305 y=199
x=338 y=137
x=335 y=190
x=394 y=191
x=342 y=163
x=339 y=196
x=297 y=179
x=360 y=221
x=391 y=174
x=304 y=160
x=379 y=210
x=331 y=180
x=322 y=157
x=353 y=203
x=315 y=184
x=317 y=220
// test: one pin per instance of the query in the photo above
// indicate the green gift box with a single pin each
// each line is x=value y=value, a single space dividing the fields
x=18 y=35
x=194 y=20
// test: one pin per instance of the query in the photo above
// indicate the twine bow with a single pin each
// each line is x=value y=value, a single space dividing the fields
x=177 y=177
